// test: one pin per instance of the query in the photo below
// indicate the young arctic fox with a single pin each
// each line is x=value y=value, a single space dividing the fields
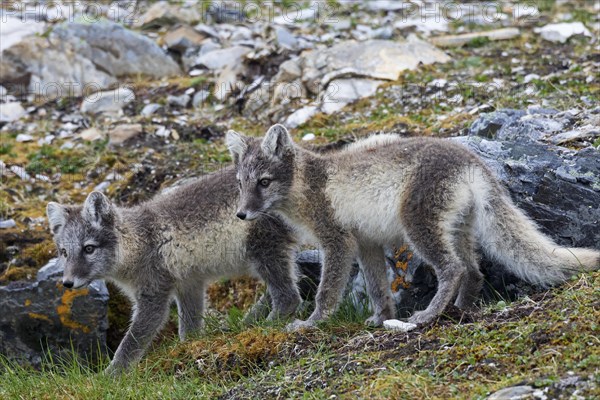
x=172 y=246
x=435 y=195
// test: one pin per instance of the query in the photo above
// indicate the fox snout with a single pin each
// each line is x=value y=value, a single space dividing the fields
x=241 y=215
x=68 y=283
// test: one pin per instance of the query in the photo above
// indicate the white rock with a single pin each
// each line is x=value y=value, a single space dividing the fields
x=162 y=131
x=23 y=137
x=15 y=29
x=341 y=92
x=101 y=187
x=300 y=116
x=513 y=393
x=178 y=101
x=67 y=145
x=308 y=137
x=7 y=224
x=91 y=134
x=110 y=101
x=150 y=109
x=397 y=325
x=20 y=172
x=200 y=98
x=12 y=111
x=561 y=32
x=122 y=133
x=219 y=59
x=528 y=78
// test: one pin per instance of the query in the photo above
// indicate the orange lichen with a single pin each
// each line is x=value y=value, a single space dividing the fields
x=399 y=282
x=39 y=316
x=64 y=309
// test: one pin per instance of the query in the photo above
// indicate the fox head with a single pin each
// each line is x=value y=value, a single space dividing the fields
x=85 y=237
x=265 y=170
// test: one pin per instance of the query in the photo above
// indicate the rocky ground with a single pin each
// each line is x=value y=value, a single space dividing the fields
x=130 y=97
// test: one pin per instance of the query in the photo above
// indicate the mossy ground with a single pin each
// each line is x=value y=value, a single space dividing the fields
x=543 y=341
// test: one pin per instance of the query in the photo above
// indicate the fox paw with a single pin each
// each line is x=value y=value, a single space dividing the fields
x=300 y=325
x=375 y=321
x=421 y=318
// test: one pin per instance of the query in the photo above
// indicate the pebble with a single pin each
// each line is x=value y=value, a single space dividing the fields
x=23 y=138
x=7 y=224
x=397 y=325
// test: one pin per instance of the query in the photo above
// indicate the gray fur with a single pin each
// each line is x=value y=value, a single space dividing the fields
x=171 y=247
x=433 y=194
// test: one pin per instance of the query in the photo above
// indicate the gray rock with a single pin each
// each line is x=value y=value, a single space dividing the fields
x=199 y=98
x=301 y=116
x=150 y=109
x=14 y=30
x=178 y=101
x=164 y=13
x=12 y=111
x=23 y=137
x=182 y=37
x=341 y=92
x=121 y=133
x=119 y=51
x=7 y=223
x=219 y=59
x=109 y=102
x=513 y=393
x=561 y=32
x=42 y=316
x=285 y=38
x=91 y=134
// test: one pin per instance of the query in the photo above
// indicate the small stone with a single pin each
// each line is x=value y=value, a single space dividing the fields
x=308 y=137
x=219 y=59
x=91 y=134
x=110 y=101
x=122 y=133
x=12 y=111
x=162 y=131
x=183 y=37
x=285 y=38
x=528 y=78
x=300 y=116
x=561 y=32
x=199 y=98
x=397 y=325
x=513 y=393
x=7 y=224
x=20 y=172
x=101 y=187
x=23 y=138
x=178 y=101
x=67 y=145
x=341 y=92
x=150 y=109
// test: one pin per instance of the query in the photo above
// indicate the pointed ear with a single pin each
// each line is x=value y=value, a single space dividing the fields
x=57 y=216
x=277 y=141
x=236 y=143
x=98 y=210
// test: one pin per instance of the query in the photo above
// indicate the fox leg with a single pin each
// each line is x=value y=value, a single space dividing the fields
x=374 y=269
x=190 y=307
x=259 y=310
x=150 y=313
x=339 y=250
x=472 y=283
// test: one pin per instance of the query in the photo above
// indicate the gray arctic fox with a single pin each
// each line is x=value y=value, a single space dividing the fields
x=171 y=246
x=431 y=193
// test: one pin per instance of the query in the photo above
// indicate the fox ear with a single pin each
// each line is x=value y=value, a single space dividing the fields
x=236 y=144
x=98 y=210
x=57 y=216
x=277 y=141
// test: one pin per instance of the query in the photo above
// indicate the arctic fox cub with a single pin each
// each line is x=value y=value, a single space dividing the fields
x=377 y=192
x=172 y=246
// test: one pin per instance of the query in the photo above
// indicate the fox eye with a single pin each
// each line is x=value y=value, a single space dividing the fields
x=63 y=252
x=264 y=182
x=89 y=249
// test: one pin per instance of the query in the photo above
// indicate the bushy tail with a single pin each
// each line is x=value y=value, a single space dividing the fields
x=507 y=235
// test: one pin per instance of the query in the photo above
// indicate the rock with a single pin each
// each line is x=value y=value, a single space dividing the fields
x=199 y=98
x=289 y=71
x=7 y=224
x=12 y=111
x=178 y=101
x=109 y=102
x=397 y=325
x=150 y=109
x=20 y=172
x=513 y=393
x=121 y=133
x=308 y=137
x=15 y=29
x=341 y=92
x=300 y=116
x=227 y=82
x=460 y=40
x=376 y=59
x=41 y=317
x=50 y=69
x=561 y=32
x=219 y=59
x=23 y=137
x=163 y=13
x=119 y=51
x=91 y=134
x=424 y=23
x=285 y=38
x=182 y=37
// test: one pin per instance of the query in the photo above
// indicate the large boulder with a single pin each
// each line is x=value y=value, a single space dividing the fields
x=43 y=316
x=80 y=58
